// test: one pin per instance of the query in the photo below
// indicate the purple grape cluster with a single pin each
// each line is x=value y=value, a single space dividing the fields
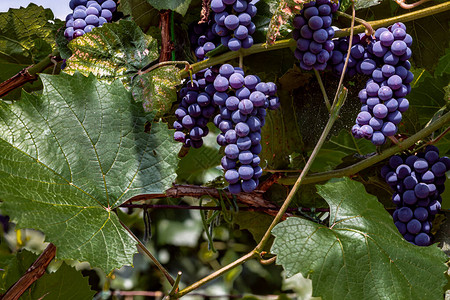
x=242 y=102
x=203 y=39
x=313 y=33
x=233 y=22
x=383 y=100
x=87 y=15
x=358 y=53
x=196 y=109
x=418 y=181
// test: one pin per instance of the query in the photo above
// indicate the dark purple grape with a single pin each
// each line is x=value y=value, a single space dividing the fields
x=405 y=214
x=235 y=188
x=414 y=226
x=409 y=197
x=248 y=186
x=422 y=239
x=420 y=165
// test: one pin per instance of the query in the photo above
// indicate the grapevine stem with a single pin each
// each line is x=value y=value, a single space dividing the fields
x=176 y=284
x=166 y=63
x=322 y=88
x=404 y=5
x=216 y=274
x=282 y=44
x=334 y=115
x=150 y=255
x=369 y=28
x=268 y=261
x=339 y=99
x=368 y=162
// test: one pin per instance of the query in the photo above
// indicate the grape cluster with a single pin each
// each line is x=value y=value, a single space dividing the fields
x=313 y=33
x=196 y=109
x=418 y=181
x=87 y=15
x=358 y=54
x=233 y=22
x=242 y=102
x=383 y=100
x=202 y=39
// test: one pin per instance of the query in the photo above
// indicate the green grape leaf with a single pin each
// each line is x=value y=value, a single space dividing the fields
x=26 y=37
x=255 y=222
x=156 y=89
x=337 y=148
x=361 y=255
x=359 y=4
x=443 y=65
x=428 y=94
x=65 y=283
x=113 y=51
x=15 y=267
x=141 y=11
x=180 y=6
x=72 y=155
x=430 y=36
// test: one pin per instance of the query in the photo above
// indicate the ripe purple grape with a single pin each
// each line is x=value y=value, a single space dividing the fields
x=420 y=199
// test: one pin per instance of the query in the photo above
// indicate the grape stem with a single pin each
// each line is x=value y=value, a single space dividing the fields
x=394 y=139
x=322 y=88
x=282 y=44
x=166 y=63
x=369 y=28
x=268 y=261
x=404 y=5
x=176 y=284
x=241 y=61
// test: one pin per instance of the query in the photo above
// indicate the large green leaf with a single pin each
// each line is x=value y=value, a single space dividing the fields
x=428 y=95
x=156 y=89
x=113 y=51
x=180 y=6
x=71 y=156
x=255 y=222
x=361 y=255
x=430 y=36
x=26 y=37
x=65 y=283
x=141 y=11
